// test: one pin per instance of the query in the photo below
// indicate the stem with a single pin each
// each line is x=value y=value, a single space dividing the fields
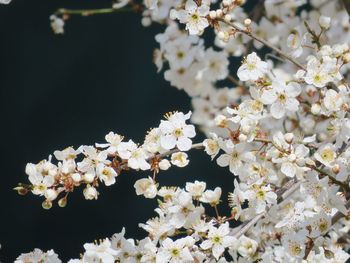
x=264 y=42
x=234 y=80
x=217 y=212
x=88 y=12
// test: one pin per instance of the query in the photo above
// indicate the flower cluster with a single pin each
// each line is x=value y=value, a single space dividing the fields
x=90 y=166
x=281 y=127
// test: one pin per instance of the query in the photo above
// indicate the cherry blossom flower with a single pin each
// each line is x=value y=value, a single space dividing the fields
x=235 y=156
x=252 y=68
x=146 y=187
x=283 y=99
x=175 y=251
x=101 y=252
x=194 y=17
x=218 y=240
x=175 y=132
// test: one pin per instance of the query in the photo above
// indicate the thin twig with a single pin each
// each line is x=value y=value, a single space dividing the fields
x=89 y=12
x=234 y=80
x=264 y=42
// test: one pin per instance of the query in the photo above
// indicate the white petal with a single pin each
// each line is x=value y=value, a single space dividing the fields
x=184 y=144
x=223 y=160
x=288 y=169
x=277 y=110
x=168 y=142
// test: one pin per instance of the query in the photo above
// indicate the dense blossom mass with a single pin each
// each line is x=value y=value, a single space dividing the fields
x=277 y=119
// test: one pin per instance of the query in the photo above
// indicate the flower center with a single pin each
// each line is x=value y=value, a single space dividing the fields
x=216 y=240
x=327 y=155
x=195 y=16
x=178 y=132
x=175 y=252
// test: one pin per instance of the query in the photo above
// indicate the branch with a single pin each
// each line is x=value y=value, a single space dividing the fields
x=89 y=12
x=264 y=42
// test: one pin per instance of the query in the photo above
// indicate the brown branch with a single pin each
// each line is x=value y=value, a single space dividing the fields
x=264 y=42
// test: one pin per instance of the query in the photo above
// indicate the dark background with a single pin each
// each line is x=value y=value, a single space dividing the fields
x=69 y=90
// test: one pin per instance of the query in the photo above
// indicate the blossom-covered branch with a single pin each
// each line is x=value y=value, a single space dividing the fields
x=282 y=131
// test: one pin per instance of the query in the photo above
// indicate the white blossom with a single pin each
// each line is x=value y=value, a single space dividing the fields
x=252 y=68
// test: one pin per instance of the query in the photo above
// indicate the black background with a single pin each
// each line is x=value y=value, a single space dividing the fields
x=69 y=90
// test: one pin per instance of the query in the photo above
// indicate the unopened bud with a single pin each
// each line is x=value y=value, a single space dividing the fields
x=212 y=14
x=242 y=137
x=309 y=162
x=89 y=177
x=227 y=18
x=225 y=3
x=50 y=194
x=324 y=22
x=315 y=108
x=247 y=22
x=219 y=13
x=173 y=14
x=146 y=21
x=221 y=35
x=336 y=169
x=164 y=164
x=76 y=177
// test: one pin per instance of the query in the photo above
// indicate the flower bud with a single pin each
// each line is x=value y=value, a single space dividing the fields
x=89 y=177
x=225 y=3
x=324 y=22
x=173 y=14
x=164 y=164
x=227 y=18
x=50 y=194
x=242 y=137
x=221 y=35
x=315 y=108
x=219 y=13
x=247 y=22
x=76 y=177
x=212 y=14
x=309 y=162
x=90 y=193
x=146 y=21
x=336 y=169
